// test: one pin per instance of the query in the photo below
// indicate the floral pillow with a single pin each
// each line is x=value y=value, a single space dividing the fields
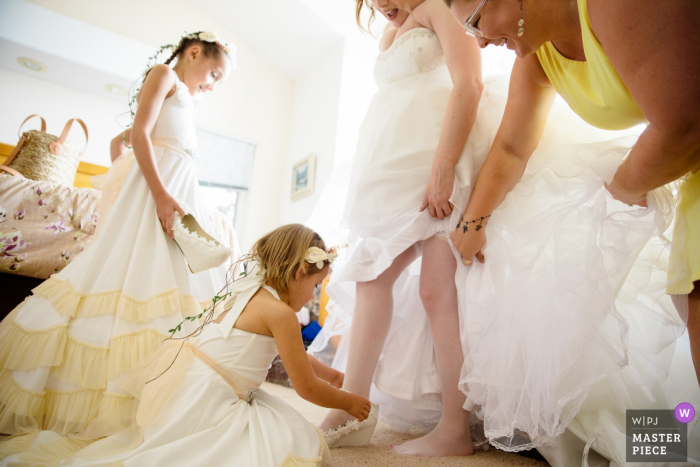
x=42 y=225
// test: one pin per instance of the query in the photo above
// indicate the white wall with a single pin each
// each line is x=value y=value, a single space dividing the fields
x=22 y=96
x=313 y=130
x=330 y=102
x=255 y=103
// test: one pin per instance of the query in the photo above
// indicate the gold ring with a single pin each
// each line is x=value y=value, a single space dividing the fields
x=466 y=261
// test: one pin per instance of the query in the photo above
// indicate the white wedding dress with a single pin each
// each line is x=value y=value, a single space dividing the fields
x=567 y=325
x=397 y=143
x=65 y=348
x=206 y=409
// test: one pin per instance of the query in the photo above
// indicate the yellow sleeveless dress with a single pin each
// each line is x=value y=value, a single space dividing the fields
x=595 y=91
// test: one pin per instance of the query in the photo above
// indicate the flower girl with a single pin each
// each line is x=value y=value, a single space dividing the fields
x=197 y=399
x=63 y=350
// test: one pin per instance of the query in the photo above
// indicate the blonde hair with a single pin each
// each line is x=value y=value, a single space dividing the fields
x=358 y=13
x=283 y=250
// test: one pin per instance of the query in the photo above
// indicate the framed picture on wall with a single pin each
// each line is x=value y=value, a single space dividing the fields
x=303 y=173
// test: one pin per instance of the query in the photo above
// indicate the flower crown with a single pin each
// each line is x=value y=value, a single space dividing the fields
x=317 y=256
x=209 y=36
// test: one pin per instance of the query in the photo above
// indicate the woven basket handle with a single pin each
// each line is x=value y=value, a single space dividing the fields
x=57 y=146
x=4 y=168
x=43 y=124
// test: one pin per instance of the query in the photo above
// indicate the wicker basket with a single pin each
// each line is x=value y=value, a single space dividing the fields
x=41 y=156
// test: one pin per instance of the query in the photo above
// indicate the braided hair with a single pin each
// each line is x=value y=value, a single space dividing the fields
x=209 y=49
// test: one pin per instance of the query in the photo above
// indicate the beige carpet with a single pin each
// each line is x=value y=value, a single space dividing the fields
x=378 y=454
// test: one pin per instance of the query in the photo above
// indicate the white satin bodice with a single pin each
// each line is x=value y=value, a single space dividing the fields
x=242 y=352
x=414 y=52
x=175 y=124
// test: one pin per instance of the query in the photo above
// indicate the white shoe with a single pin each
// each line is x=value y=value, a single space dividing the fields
x=201 y=250
x=353 y=433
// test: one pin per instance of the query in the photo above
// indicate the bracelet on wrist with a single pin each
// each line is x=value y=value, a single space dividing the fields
x=465 y=224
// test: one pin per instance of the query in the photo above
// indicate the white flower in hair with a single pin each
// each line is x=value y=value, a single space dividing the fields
x=315 y=255
x=208 y=36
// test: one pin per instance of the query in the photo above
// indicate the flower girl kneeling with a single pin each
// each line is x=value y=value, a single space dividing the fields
x=197 y=399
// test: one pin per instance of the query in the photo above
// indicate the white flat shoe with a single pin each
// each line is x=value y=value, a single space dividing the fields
x=353 y=433
x=201 y=250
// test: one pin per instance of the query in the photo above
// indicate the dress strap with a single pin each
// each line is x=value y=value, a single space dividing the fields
x=272 y=291
x=241 y=293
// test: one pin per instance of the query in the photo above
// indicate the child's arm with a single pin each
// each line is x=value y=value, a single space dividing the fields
x=284 y=326
x=156 y=87
x=326 y=373
x=119 y=144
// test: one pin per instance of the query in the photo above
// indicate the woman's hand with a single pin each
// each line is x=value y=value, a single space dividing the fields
x=438 y=192
x=165 y=208
x=358 y=406
x=620 y=194
x=469 y=242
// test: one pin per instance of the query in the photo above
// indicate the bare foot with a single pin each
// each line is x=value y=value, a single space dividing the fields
x=335 y=419
x=438 y=443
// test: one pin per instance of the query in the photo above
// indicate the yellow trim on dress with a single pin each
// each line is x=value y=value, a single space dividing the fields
x=69 y=302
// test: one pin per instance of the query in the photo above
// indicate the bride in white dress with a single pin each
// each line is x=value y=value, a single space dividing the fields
x=410 y=182
x=198 y=401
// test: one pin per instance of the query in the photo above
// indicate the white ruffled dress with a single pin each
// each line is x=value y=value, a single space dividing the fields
x=197 y=403
x=567 y=324
x=64 y=349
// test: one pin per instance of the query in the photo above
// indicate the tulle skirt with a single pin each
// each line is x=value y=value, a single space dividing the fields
x=567 y=323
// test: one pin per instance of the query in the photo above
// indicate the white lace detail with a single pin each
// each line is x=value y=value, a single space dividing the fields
x=214 y=247
x=405 y=58
x=331 y=436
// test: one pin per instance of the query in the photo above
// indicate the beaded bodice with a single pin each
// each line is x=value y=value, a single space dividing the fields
x=414 y=52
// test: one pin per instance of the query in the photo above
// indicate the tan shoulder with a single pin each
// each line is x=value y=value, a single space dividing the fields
x=162 y=72
x=272 y=308
x=430 y=11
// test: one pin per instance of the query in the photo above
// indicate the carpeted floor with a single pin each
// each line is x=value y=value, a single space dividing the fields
x=378 y=454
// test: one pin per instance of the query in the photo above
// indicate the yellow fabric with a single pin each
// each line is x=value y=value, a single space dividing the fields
x=85 y=365
x=49 y=453
x=324 y=456
x=22 y=409
x=15 y=444
x=684 y=265
x=70 y=411
x=25 y=349
x=592 y=88
x=127 y=350
x=69 y=302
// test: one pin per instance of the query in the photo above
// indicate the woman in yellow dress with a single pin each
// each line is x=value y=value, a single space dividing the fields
x=617 y=64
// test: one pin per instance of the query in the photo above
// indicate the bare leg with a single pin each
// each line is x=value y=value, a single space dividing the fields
x=374 y=306
x=694 y=326
x=451 y=437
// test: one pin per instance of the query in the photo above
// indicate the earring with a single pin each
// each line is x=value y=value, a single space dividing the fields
x=522 y=21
